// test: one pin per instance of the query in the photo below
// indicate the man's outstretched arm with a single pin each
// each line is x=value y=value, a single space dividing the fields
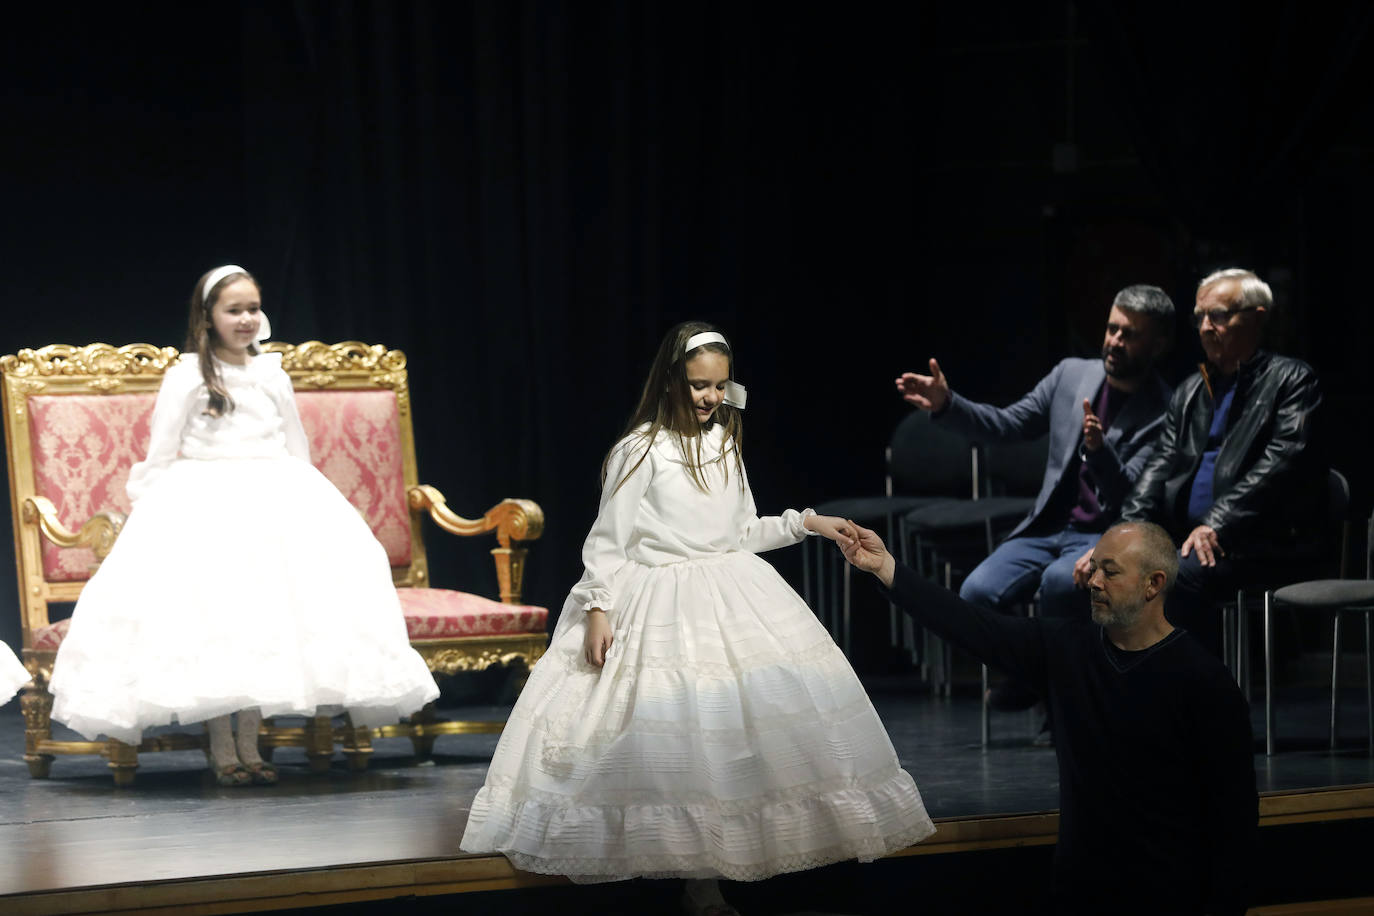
x=1014 y=645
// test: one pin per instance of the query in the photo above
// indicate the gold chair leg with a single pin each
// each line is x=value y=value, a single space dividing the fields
x=265 y=749
x=123 y=761
x=319 y=743
x=357 y=746
x=420 y=741
x=36 y=704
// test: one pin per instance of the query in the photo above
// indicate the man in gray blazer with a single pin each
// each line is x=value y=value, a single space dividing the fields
x=1102 y=417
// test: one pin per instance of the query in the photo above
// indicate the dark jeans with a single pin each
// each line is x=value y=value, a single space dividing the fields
x=1023 y=565
x=1197 y=596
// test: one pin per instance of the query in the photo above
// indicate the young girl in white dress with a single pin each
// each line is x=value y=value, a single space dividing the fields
x=12 y=674
x=243 y=581
x=691 y=718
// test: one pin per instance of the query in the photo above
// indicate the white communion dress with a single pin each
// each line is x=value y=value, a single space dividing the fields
x=726 y=734
x=242 y=578
x=12 y=674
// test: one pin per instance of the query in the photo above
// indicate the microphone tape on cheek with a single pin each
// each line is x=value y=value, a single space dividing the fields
x=735 y=395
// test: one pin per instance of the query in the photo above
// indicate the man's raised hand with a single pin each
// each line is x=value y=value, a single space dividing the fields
x=928 y=392
x=1092 y=428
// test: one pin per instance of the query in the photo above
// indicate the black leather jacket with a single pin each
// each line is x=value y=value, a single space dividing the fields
x=1269 y=480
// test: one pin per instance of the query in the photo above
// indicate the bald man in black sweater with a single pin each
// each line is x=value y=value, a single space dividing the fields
x=1158 y=807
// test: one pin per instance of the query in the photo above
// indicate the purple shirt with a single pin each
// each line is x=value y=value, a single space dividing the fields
x=1087 y=513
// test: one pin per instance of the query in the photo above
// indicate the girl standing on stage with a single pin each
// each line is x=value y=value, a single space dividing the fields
x=691 y=718
x=242 y=580
x=12 y=674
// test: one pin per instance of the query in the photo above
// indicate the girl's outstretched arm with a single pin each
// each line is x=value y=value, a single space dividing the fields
x=830 y=527
x=770 y=532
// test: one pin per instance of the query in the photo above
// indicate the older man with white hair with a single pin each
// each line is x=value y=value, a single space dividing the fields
x=1235 y=476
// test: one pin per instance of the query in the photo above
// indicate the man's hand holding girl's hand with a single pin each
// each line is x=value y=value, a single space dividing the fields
x=865 y=550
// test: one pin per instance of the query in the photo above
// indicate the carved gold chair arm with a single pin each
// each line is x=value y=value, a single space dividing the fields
x=98 y=533
x=512 y=519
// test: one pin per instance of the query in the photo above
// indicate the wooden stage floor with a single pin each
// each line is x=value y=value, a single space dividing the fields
x=174 y=842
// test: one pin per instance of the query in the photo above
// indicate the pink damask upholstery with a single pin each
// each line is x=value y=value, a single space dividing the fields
x=431 y=613
x=83 y=447
x=355 y=441
x=50 y=637
x=438 y=613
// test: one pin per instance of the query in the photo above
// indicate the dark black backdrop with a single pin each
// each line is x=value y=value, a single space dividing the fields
x=523 y=196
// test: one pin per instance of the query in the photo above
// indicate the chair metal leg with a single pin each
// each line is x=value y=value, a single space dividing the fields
x=894 y=622
x=1369 y=678
x=1228 y=624
x=1268 y=676
x=1335 y=675
x=987 y=710
x=914 y=636
x=947 y=653
x=822 y=607
x=845 y=607
x=1243 y=648
x=832 y=598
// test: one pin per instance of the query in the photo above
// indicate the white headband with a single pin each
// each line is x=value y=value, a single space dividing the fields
x=735 y=395
x=706 y=337
x=218 y=274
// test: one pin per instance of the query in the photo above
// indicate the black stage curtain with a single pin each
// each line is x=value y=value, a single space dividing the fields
x=1230 y=108
x=523 y=196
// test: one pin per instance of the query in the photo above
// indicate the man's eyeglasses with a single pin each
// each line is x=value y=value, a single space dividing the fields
x=1217 y=316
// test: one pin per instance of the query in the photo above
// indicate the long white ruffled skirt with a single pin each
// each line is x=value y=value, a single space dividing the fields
x=238 y=583
x=726 y=736
x=12 y=674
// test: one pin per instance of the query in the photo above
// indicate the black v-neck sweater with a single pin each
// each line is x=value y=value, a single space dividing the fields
x=1158 y=807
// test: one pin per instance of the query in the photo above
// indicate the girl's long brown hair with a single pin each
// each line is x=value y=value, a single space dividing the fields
x=200 y=339
x=666 y=404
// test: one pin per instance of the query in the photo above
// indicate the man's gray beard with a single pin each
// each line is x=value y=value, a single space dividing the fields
x=1117 y=618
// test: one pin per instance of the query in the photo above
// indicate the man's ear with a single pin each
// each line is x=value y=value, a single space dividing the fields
x=1155 y=585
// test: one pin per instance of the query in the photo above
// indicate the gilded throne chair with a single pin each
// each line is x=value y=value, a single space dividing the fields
x=76 y=420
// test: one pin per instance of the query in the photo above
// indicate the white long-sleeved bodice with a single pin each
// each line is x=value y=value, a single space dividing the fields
x=263 y=424
x=659 y=515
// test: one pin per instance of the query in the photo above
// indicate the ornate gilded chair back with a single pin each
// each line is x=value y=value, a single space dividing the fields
x=354 y=401
x=76 y=420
